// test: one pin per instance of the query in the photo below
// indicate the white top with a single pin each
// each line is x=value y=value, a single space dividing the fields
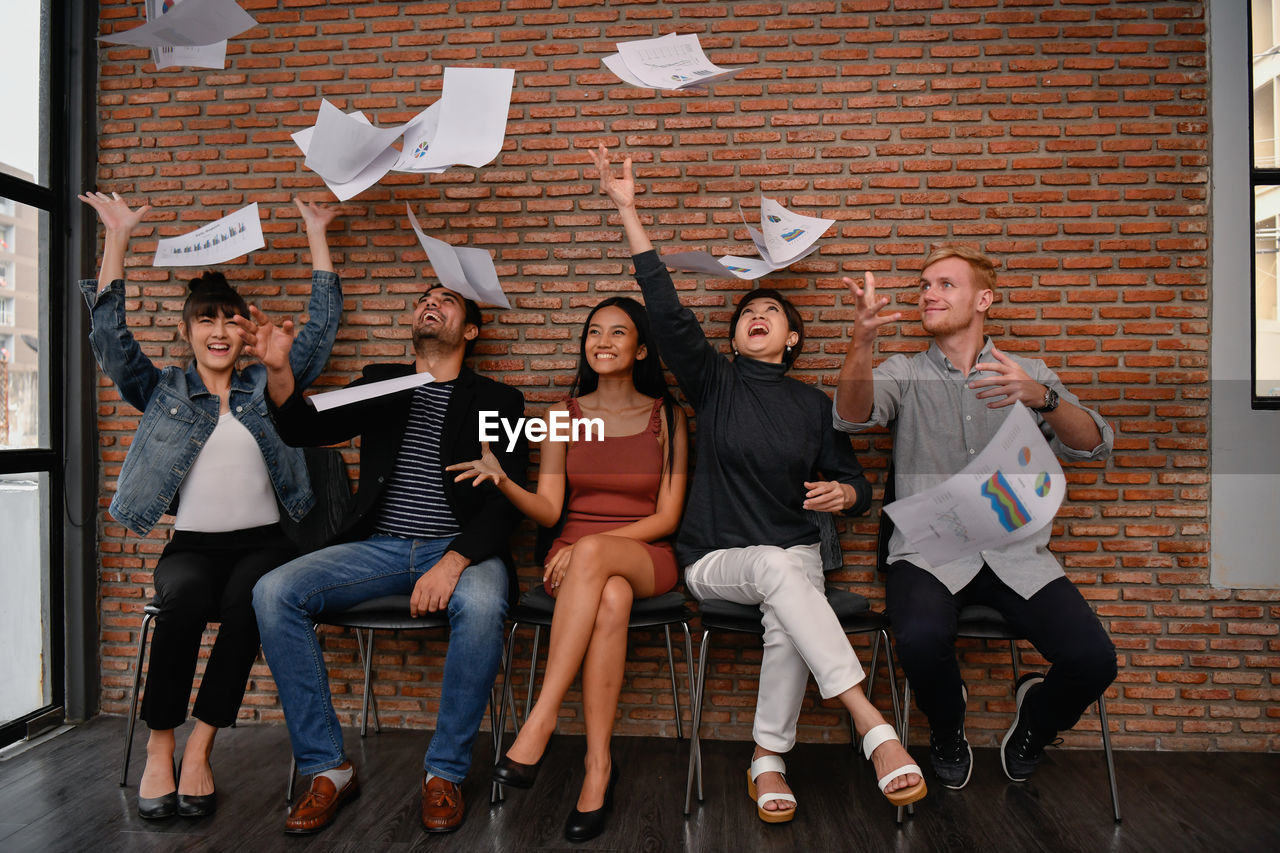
x=228 y=487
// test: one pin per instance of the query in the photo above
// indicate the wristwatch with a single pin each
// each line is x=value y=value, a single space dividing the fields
x=1050 y=401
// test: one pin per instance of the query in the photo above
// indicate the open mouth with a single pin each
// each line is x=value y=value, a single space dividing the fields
x=219 y=349
x=604 y=356
x=432 y=315
x=758 y=329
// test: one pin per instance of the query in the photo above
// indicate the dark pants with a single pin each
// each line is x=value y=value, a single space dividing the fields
x=1056 y=620
x=207 y=577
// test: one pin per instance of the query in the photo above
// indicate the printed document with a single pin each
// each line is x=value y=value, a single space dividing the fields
x=667 y=62
x=463 y=269
x=188 y=25
x=368 y=391
x=199 y=56
x=220 y=241
x=784 y=238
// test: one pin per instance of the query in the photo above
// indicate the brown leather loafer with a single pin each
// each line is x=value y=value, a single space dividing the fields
x=319 y=805
x=441 y=805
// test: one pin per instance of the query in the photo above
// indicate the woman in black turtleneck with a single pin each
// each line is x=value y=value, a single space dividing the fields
x=767 y=452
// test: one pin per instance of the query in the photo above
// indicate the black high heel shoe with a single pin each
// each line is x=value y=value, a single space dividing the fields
x=514 y=774
x=196 y=805
x=584 y=826
x=159 y=808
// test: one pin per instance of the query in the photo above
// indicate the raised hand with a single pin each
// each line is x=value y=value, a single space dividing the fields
x=315 y=215
x=1010 y=385
x=867 y=306
x=115 y=213
x=265 y=340
x=487 y=467
x=622 y=190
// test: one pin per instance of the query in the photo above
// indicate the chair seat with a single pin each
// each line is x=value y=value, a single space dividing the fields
x=536 y=608
x=385 y=613
x=981 y=621
x=853 y=611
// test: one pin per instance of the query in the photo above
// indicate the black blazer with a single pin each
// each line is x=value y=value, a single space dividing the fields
x=486 y=517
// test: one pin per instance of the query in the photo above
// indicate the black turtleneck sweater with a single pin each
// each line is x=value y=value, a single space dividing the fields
x=760 y=436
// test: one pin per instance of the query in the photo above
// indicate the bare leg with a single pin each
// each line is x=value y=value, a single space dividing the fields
x=594 y=561
x=890 y=754
x=601 y=683
x=772 y=783
x=157 y=776
x=197 y=775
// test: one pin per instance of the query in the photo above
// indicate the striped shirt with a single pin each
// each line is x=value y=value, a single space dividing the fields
x=413 y=502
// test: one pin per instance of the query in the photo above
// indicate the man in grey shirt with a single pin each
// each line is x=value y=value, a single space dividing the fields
x=943 y=406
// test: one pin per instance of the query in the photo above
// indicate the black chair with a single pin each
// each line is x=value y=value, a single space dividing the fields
x=388 y=613
x=536 y=608
x=853 y=611
x=977 y=621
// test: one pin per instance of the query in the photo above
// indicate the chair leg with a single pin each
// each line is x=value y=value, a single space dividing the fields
x=533 y=671
x=893 y=679
x=695 y=749
x=144 y=634
x=854 y=740
x=902 y=733
x=675 y=691
x=505 y=701
x=1111 y=764
x=1013 y=657
x=688 y=660
x=365 y=644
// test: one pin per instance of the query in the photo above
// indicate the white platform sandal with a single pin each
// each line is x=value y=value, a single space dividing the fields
x=769 y=764
x=903 y=796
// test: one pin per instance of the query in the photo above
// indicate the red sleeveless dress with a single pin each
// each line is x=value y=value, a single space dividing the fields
x=615 y=482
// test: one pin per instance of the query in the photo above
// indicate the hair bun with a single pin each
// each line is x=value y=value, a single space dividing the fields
x=210 y=281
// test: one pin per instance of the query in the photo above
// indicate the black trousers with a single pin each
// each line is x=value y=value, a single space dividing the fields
x=1056 y=620
x=200 y=578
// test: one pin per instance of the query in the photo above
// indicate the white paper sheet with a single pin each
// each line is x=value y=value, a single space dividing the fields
x=787 y=236
x=347 y=396
x=189 y=25
x=225 y=239
x=470 y=121
x=670 y=62
x=343 y=146
x=705 y=262
x=369 y=176
x=1009 y=491
x=200 y=56
x=462 y=269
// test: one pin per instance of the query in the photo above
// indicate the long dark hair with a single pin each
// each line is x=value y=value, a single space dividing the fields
x=795 y=322
x=212 y=295
x=646 y=373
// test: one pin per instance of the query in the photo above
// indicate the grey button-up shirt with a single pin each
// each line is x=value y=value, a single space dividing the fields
x=938 y=425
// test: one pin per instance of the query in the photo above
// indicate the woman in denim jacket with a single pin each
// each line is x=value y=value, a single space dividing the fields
x=207 y=452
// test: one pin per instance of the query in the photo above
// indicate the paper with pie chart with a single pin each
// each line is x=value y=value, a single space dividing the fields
x=1009 y=491
x=784 y=238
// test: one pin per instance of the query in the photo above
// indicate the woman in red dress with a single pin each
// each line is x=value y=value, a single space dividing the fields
x=624 y=494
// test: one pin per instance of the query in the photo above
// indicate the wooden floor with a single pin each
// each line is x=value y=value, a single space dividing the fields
x=61 y=795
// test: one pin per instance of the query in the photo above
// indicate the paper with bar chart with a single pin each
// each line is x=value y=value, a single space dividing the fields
x=233 y=235
x=784 y=238
x=667 y=62
x=1009 y=491
x=195 y=56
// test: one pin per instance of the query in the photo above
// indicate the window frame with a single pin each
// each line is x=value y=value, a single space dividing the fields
x=1258 y=177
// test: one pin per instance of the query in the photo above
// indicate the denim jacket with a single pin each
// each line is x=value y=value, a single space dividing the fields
x=179 y=413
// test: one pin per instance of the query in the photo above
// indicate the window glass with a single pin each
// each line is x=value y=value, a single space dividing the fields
x=24 y=105
x=24 y=328
x=1265 y=177
x=25 y=678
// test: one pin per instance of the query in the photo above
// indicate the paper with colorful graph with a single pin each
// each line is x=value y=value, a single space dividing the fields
x=784 y=238
x=1009 y=491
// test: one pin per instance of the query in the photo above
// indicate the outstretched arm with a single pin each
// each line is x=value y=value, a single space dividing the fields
x=622 y=191
x=855 y=392
x=316 y=218
x=120 y=221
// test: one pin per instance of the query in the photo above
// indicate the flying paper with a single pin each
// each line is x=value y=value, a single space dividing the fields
x=233 y=235
x=199 y=56
x=364 y=179
x=368 y=391
x=466 y=126
x=784 y=238
x=667 y=62
x=463 y=269
x=188 y=25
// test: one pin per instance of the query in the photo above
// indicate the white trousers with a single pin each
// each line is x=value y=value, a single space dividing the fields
x=801 y=632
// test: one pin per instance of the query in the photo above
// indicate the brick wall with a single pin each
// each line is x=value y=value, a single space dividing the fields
x=1069 y=139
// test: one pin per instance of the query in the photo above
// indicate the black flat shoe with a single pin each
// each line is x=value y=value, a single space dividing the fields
x=158 y=808
x=514 y=774
x=584 y=826
x=197 y=805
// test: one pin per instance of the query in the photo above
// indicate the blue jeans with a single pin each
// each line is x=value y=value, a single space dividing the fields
x=341 y=576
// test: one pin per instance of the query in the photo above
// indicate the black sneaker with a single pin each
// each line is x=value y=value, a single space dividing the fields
x=1023 y=747
x=950 y=754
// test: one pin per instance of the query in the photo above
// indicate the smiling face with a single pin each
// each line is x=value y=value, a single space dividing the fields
x=611 y=345
x=215 y=341
x=950 y=299
x=762 y=331
x=440 y=316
